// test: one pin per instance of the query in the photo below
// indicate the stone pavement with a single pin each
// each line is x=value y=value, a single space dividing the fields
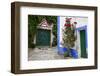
x=44 y=54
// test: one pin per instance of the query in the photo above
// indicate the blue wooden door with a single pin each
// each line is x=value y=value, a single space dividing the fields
x=43 y=37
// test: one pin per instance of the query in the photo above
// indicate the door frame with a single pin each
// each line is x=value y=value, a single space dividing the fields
x=86 y=37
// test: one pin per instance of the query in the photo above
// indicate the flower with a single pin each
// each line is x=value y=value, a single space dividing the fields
x=68 y=19
x=68 y=25
x=75 y=22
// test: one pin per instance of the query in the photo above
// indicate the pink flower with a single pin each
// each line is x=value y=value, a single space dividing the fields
x=68 y=19
x=75 y=22
x=68 y=25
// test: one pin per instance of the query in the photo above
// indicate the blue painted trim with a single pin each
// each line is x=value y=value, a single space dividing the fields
x=84 y=28
x=58 y=32
x=81 y=28
x=60 y=49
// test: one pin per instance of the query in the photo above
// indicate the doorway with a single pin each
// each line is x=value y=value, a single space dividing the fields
x=83 y=43
x=43 y=37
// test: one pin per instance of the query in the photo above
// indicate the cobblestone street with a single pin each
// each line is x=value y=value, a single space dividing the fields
x=44 y=54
